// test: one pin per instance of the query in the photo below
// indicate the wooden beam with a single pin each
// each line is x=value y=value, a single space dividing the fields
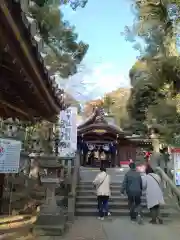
x=16 y=109
x=27 y=53
x=13 y=52
x=10 y=74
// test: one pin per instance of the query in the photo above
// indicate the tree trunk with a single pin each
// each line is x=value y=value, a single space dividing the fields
x=155 y=157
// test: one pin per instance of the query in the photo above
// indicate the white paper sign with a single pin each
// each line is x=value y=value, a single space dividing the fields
x=74 y=129
x=9 y=155
x=68 y=132
x=177 y=161
x=176 y=158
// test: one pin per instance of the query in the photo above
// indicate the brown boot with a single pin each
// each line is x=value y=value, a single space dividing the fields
x=159 y=219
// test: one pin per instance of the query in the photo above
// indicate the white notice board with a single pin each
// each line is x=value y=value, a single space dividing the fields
x=176 y=157
x=9 y=155
x=68 y=132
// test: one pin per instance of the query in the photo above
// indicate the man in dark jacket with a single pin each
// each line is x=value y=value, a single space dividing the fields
x=132 y=184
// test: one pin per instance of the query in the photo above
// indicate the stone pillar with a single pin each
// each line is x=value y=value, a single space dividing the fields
x=2 y=180
x=50 y=206
x=155 y=157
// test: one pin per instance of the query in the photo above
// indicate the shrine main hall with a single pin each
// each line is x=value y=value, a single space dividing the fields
x=102 y=143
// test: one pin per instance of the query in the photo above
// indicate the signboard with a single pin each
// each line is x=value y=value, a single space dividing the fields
x=100 y=131
x=176 y=157
x=9 y=155
x=68 y=132
x=74 y=129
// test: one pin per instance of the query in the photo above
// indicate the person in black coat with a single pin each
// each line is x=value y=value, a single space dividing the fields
x=132 y=185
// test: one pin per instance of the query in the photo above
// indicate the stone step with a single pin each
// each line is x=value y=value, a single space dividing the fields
x=93 y=192
x=112 y=199
x=91 y=187
x=92 y=198
x=90 y=192
x=94 y=173
x=114 y=179
x=109 y=170
x=87 y=183
x=123 y=212
x=112 y=205
x=88 y=174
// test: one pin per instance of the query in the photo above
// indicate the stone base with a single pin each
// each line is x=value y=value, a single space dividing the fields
x=50 y=225
x=51 y=220
x=47 y=230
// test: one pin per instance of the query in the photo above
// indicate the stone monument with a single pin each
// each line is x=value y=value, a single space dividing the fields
x=51 y=219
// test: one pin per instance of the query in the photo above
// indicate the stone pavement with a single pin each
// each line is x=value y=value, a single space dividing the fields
x=121 y=229
x=86 y=228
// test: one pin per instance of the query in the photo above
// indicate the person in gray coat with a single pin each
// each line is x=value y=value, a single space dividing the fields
x=154 y=194
x=132 y=185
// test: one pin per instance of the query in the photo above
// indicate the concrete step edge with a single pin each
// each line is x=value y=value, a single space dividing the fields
x=94 y=210
x=143 y=204
x=91 y=186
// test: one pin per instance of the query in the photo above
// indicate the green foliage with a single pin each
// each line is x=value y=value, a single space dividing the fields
x=40 y=3
x=107 y=103
x=155 y=76
x=153 y=25
x=64 y=51
x=73 y=3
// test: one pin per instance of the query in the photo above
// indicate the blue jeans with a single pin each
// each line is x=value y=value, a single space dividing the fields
x=103 y=205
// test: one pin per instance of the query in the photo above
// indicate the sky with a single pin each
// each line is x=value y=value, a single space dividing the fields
x=109 y=58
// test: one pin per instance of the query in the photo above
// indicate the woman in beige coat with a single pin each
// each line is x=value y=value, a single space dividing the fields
x=102 y=184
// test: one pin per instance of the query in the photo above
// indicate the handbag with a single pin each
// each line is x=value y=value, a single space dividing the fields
x=155 y=180
x=97 y=187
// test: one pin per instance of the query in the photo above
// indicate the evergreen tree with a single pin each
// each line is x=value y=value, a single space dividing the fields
x=156 y=22
x=64 y=52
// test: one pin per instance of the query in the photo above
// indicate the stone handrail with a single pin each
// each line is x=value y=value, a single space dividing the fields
x=171 y=191
x=72 y=193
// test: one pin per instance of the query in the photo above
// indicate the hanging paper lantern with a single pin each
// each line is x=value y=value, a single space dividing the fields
x=91 y=147
x=106 y=147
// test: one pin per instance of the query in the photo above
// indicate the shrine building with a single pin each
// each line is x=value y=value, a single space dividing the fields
x=101 y=140
x=28 y=90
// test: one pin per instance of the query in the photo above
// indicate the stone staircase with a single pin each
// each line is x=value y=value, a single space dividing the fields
x=86 y=203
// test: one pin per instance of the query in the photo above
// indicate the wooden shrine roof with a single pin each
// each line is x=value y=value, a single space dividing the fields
x=97 y=123
x=90 y=119
x=28 y=91
x=96 y=127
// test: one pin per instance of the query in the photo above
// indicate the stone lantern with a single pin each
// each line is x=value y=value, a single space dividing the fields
x=51 y=215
